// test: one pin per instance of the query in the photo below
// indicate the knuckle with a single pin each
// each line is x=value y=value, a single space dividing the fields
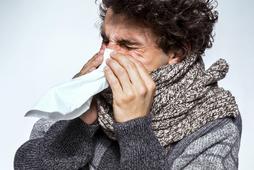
x=120 y=100
x=117 y=102
x=130 y=66
x=143 y=91
x=130 y=96
x=127 y=98
x=121 y=71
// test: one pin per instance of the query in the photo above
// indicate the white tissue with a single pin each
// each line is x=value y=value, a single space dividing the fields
x=73 y=98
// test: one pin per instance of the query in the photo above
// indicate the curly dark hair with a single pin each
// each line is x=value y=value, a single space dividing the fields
x=179 y=24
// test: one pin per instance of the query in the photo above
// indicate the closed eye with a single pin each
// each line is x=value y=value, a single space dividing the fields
x=128 y=47
x=127 y=44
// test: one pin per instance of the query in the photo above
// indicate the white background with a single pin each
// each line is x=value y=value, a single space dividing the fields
x=45 y=42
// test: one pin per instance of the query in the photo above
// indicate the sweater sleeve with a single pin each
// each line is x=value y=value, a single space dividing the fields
x=139 y=147
x=212 y=148
x=66 y=145
x=217 y=149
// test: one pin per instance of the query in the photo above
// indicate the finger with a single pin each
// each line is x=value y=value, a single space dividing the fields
x=121 y=74
x=98 y=61
x=133 y=72
x=92 y=69
x=93 y=58
x=87 y=66
x=102 y=49
x=94 y=62
x=76 y=75
x=113 y=81
x=143 y=73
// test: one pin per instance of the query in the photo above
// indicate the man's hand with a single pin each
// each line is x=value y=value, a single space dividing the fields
x=90 y=116
x=132 y=86
x=92 y=63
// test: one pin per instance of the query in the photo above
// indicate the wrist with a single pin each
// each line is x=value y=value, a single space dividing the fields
x=134 y=127
x=88 y=120
x=90 y=116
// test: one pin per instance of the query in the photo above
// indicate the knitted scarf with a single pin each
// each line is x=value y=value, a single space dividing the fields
x=187 y=97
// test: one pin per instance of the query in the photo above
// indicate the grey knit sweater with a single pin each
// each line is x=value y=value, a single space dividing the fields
x=72 y=144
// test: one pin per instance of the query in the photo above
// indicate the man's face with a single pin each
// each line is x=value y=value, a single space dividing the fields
x=130 y=38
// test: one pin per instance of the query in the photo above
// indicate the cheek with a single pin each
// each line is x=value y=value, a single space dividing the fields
x=141 y=57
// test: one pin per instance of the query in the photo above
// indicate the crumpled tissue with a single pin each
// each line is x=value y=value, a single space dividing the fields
x=72 y=98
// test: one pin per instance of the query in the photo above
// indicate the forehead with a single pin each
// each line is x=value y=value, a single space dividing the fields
x=119 y=25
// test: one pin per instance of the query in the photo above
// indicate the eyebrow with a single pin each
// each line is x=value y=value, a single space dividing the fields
x=122 y=40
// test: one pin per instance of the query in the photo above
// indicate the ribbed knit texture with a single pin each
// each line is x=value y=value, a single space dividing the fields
x=187 y=97
x=74 y=145
x=66 y=145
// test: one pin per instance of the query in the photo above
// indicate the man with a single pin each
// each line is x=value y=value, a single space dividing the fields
x=163 y=110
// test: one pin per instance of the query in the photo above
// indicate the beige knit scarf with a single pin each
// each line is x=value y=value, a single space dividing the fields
x=187 y=97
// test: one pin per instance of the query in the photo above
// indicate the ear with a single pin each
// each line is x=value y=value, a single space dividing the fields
x=175 y=57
